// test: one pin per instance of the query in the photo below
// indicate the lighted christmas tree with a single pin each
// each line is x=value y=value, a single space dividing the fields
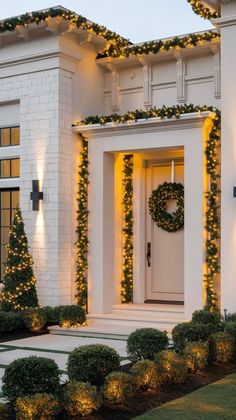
x=19 y=291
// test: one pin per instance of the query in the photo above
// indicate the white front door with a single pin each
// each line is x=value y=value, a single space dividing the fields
x=165 y=266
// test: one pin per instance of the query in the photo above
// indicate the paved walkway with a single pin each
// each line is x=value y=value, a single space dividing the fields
x=56 y=347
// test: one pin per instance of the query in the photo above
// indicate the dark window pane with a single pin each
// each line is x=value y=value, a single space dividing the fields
x=5 y=168
x=15 y=167
x=15 y=199
x=15 y=136
x=5 y=218
x=5 y=199
x=5 y=136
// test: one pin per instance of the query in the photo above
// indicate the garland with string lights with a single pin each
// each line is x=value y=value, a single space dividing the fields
x=19 y=292
x=78 y=21
x=155 y=47
x=127 y=279
x=212 y=212
x=202 y=11
x=82 y=228
x=212 y=225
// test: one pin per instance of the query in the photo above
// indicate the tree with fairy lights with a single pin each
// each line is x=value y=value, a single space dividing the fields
x=19 y=291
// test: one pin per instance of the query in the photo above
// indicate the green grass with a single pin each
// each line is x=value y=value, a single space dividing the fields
x=215 y=401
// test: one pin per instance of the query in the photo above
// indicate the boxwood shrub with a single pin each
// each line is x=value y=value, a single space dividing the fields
x=145 y=374
x=71 y=316
x=222 y=347
x=196 y=356
x=10 y=321
x=203 y=316
x=37 y=407
x=171 y=367
x=3 y=412
x=92 y=363
x=119 y=388
x=81 y=399
x=34 y=319
x=230 y=328
x=30 y=375
x=145 y=343
x=186 y=332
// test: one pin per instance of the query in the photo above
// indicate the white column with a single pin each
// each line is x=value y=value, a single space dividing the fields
x=227 y=22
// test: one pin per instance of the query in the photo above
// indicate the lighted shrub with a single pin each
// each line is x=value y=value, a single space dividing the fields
x=145 y=343
x=71 y=316
x=30 y=375
x=92 y=363
x=34 y=320
x=10 y=321
x=171 y=367
x=36 y=407
x=222 y=346
x=196 y=356
x=145 y=374
x=81 y=399
x=186 y=332
x=119 y=388
x=3 y=412
x=204 y=316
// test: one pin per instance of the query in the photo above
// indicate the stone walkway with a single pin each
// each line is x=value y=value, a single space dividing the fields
x=56 y=347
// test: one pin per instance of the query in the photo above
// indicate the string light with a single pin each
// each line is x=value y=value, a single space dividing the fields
x=127 y=279
x=212 y=196
x=19 y=292
x=155 y=47
x=201 y=10
x=78 y=21
x=82 y=228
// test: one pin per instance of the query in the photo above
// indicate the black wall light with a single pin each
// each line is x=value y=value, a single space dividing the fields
x=36 y=195
x=234 y=192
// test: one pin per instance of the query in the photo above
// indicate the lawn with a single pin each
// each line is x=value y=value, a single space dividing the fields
x=214 y=401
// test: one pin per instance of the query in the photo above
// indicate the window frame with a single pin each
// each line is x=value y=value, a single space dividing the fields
x=9 y=177
x=10 y=128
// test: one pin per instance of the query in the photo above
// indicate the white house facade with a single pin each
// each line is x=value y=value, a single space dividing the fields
x=56 y=70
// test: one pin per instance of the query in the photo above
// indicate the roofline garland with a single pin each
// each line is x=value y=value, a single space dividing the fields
x=155 y=47
x=202 y=11
x=78 y=20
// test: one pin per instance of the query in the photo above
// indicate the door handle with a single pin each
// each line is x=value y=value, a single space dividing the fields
x=149 y=254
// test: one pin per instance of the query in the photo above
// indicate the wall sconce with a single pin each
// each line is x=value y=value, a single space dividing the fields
x=36 y=195
x=234 y=192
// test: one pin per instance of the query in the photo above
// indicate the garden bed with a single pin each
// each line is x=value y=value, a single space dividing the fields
x=18 y=335
x=148 y=400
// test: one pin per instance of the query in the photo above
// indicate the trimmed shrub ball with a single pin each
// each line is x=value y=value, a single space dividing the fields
x=81 y=399
x=30 y=375
x=37 y=407
x=188 y=332
x=145 y=343
x=203 y=316
x=71 y=316
x=119 y=388
x=92 y=363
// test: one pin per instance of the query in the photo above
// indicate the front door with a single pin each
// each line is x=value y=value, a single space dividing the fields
x=165 y=266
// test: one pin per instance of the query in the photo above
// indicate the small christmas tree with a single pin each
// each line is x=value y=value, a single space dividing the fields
x=19 y=290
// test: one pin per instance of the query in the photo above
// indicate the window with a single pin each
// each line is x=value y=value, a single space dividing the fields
x=9 y=168
x=9 y=136
x=9 y=201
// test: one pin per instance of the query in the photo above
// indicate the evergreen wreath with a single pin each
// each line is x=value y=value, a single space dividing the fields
x=171 y=222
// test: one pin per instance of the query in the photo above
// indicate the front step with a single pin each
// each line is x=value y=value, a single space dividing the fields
x=124 y=319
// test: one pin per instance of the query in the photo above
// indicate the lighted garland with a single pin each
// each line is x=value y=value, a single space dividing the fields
x=212 y=212
x=212 y=196
x=155 y=47
x=201 y=10
x=170 y=222
x=127 y=279
x=82 y=227
x=77 y=20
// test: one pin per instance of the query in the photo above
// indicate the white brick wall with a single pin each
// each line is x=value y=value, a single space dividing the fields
x=47 y=154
